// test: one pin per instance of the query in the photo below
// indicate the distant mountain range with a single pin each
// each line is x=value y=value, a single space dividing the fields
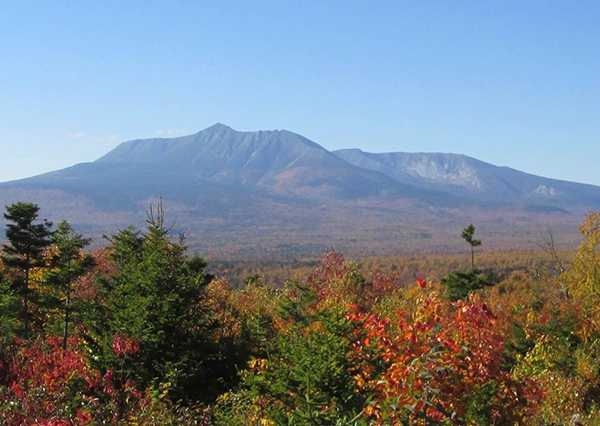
x=276 y=193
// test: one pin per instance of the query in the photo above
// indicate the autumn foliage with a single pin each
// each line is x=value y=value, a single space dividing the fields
x=157 y=340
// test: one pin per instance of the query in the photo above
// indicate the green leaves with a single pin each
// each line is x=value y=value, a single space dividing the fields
x=27 y=243
x=157 y=297
x=27 y=238
x=67 y=263
x=460 y=284
x=468 y=235
x=9 y=307
x=308 y=378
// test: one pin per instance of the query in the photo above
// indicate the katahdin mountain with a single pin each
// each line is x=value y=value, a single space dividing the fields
x=278 y=194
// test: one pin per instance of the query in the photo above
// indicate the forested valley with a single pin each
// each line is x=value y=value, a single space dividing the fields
x=145 y=332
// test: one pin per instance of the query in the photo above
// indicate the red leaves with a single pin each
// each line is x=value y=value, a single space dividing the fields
x=83 y=418
x=44 y=377
x=109 y=386
x=332 y=267
x=123 y=345
x=383 y=284
x=431 y=362
x=421 y=283
x=17 y=390
x=47 y=365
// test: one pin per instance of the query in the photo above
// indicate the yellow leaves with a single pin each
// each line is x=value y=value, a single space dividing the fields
x=587 y=362
x=259 y=364
x=545 y=356
x=591 y=227
x=561 y=396
x=371 y=410
x=428 y=309
x=587 y=367
x=224 y=397
x=582 y=279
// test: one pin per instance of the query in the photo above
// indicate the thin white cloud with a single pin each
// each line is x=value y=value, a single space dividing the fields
x=78 y=135
x=171 y=132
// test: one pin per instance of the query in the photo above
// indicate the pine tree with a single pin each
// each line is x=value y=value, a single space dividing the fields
x=468 y=235
x=68 y=264
x=27 y=242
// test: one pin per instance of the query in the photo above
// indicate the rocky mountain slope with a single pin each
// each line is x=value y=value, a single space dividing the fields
x=466 y=176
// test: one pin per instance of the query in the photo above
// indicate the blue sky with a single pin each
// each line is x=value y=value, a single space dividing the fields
x=514 y=83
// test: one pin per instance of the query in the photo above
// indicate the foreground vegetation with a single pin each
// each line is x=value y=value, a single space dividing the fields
x=140 y=333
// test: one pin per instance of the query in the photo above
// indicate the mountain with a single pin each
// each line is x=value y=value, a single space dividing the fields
x=276 y=193
x=469 y=177
x=281 y=162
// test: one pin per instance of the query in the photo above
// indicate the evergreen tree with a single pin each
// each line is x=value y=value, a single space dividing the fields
x=156 y=298
x=468 y=235
x=68 y=264
x=459 y=284
x=27 y=241
x=9 y=307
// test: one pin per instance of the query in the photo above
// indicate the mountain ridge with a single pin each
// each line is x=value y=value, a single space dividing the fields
x=459 y=173
x=280 y=187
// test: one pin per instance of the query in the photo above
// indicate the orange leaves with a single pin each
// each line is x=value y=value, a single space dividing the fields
x=430 y=363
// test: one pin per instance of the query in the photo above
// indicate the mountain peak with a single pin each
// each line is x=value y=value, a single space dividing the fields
x=216 y=127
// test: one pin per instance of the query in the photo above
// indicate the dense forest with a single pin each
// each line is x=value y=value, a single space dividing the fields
x=143 y=332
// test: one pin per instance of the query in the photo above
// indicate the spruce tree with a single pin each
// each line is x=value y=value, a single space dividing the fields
x=156 y=298
x=68 y=263
x=27 y=242
x=468 y=235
